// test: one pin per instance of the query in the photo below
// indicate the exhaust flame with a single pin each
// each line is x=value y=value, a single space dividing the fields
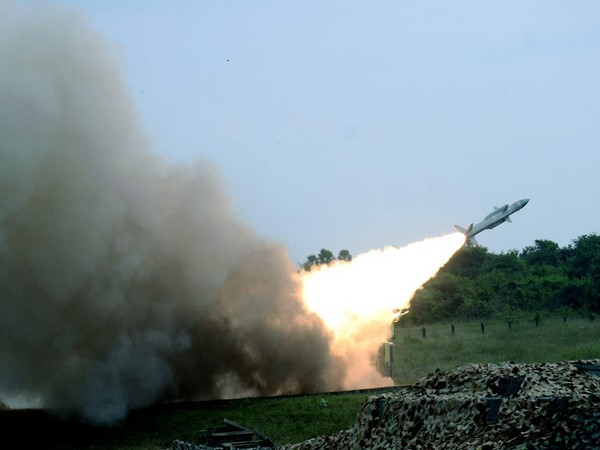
x=355 y=299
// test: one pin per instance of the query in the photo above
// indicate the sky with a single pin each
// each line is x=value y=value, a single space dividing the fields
x=355 y=125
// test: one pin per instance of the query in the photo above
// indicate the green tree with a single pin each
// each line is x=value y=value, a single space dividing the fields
x=509 y=263
x=543 y=252
x=583 y=263
x=584 y=255
x=344 y=255
x=440 y=298
x=542 y=277
x=311 y=260
x=325 y=256
x=468 y=262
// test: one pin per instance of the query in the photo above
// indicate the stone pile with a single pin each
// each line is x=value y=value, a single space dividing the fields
x=505 y=406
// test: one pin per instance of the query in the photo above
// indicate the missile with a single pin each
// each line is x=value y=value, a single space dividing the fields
x=492 y=220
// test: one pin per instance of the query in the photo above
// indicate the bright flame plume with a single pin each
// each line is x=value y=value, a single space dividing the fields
x=356 y=299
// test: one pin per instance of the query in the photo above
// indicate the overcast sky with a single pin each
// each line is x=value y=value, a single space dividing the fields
x=355 y=124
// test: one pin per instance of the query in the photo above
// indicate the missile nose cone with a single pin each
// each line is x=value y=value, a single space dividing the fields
x=524 y=201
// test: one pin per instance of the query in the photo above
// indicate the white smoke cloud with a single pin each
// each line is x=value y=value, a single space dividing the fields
x=125 y=280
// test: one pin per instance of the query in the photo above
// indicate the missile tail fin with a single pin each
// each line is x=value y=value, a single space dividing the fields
x=470 y=241
x=464 y=231
x=461 y=229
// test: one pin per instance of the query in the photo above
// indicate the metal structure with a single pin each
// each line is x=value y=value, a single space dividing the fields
x=235 y=436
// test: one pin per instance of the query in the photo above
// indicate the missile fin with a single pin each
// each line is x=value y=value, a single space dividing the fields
x=461 y=229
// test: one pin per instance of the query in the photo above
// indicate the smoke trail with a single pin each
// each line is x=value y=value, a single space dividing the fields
x=124 y=280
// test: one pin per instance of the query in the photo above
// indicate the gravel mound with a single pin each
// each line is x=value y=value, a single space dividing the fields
x=487 y=406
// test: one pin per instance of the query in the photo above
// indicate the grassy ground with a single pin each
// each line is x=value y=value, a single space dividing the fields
x=284 y=420
x=288 y=420
x=553 y=340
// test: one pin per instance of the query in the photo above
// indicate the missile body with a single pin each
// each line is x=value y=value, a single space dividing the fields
x=492 y=220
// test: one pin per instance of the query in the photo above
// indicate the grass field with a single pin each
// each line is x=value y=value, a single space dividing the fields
x=284 y=420
x=289 y=420
x=553 y=340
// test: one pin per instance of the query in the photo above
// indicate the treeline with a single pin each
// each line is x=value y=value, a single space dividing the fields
x=543 y=277
x=324 y=257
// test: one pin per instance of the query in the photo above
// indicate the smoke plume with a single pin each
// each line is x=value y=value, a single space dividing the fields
x=125 y=280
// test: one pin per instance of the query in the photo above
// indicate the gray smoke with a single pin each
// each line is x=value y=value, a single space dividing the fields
x=124 y=280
